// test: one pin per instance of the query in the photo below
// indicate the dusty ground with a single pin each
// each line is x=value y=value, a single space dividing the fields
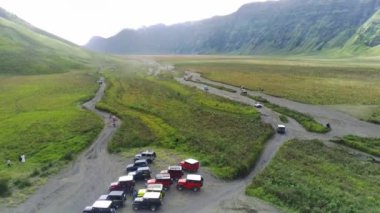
x=82 y=182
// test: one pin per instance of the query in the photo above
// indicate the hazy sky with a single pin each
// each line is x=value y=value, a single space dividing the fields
x=79 y=20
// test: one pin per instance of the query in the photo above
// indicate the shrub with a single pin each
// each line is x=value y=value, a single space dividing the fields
x=4 y=188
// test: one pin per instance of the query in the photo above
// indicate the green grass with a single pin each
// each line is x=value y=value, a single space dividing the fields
x=349 y=81
x=41 y=117
x=306 y=176
x=306 y=121
x=162 y=113
x=368 y=145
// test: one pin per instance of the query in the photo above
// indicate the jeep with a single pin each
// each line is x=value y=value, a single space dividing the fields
x=190 y=165
x=152 y=188
x=150 y=200
x=150 y=156
x=100 y=206
x=115 y=203
x=281 y=129
x=139 y=163
x=125 y=183
x=175 y=172
x=192 y=182
x=118 y=198
x=142 y=173
x=163 y=179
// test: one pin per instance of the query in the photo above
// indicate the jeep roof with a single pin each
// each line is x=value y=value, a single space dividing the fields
x=141 y=161
x=132 y=173
x=152 y=195
x=162 y=176
x=194 y=177
x=143 y=168
x=281 y=126
x=126 y=178
x=116 y=193
x=155 y=187
x=103 y=197
x=148 y=152
x=103 y=204
x=191 y=161
x=174 y=167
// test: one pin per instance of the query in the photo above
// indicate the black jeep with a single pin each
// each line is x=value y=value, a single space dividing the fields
x=142 y=173
x=139 y=163
x=150 y=200
x=117 y=197
x=100 y=206
x=147 y=155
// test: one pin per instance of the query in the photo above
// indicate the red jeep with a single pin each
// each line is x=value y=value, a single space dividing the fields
x=175 y=172
x=125 y=183
x=190 y=165
x=163 y=179
x=192 y=182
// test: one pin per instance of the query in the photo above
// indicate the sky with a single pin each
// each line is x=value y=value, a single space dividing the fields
x=79 y=20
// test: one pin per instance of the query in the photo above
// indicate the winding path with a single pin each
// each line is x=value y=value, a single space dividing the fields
x=84 y=179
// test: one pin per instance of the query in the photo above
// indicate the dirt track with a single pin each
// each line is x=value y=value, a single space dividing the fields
x=86 y=178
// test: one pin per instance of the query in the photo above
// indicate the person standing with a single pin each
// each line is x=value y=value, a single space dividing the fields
x=22 y=158
x=9 y=163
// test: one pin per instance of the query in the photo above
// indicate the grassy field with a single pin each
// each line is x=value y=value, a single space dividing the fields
x=306 y=176
x=315 y=81
x=160 y=112
x=368 y=145
x=41 y=117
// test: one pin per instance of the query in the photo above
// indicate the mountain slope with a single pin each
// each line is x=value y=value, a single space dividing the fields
x=25 y=49
x=273 y=27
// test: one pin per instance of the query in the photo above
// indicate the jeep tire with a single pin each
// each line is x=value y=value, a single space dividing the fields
x=153 y=208
x=180 y=188
x=195 y=189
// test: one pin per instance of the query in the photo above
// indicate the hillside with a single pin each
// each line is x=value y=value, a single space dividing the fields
x=273 y=27
x=25 y=49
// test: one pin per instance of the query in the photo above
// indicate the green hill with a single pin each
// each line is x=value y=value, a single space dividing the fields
x=25 y=49
x=272 y=27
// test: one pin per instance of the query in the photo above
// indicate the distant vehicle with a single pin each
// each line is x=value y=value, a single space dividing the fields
x=149 y=156
x=175 y=172
x=142 y=173
x=163 y=179
x=124 y=183
x=205 y=88
x=192 y=182
x=150 y=200
x=187 y=77
x=139 y=163
x=281 y=129
x=243 y=92
x=190 y=165
x=258 y=105
x=100 y=206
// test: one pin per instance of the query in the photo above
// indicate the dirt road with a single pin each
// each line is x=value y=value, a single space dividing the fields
x=81 y=182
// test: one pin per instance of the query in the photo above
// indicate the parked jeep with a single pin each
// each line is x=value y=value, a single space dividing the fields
x=100 y=206
x=150 y=200
x=175 y=172
x=139 y=163
x=152 y=188
x=150 y=156
x=117 y=197
x=190 y=165
x=142 y=173
x=192 y=182
x=125 y=183
x=163 y=179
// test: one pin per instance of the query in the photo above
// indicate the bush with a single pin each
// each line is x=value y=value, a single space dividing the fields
x=22 y=183
x=4 y=188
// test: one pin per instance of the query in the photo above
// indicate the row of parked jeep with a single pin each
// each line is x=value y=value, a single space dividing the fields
x=152 y=195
